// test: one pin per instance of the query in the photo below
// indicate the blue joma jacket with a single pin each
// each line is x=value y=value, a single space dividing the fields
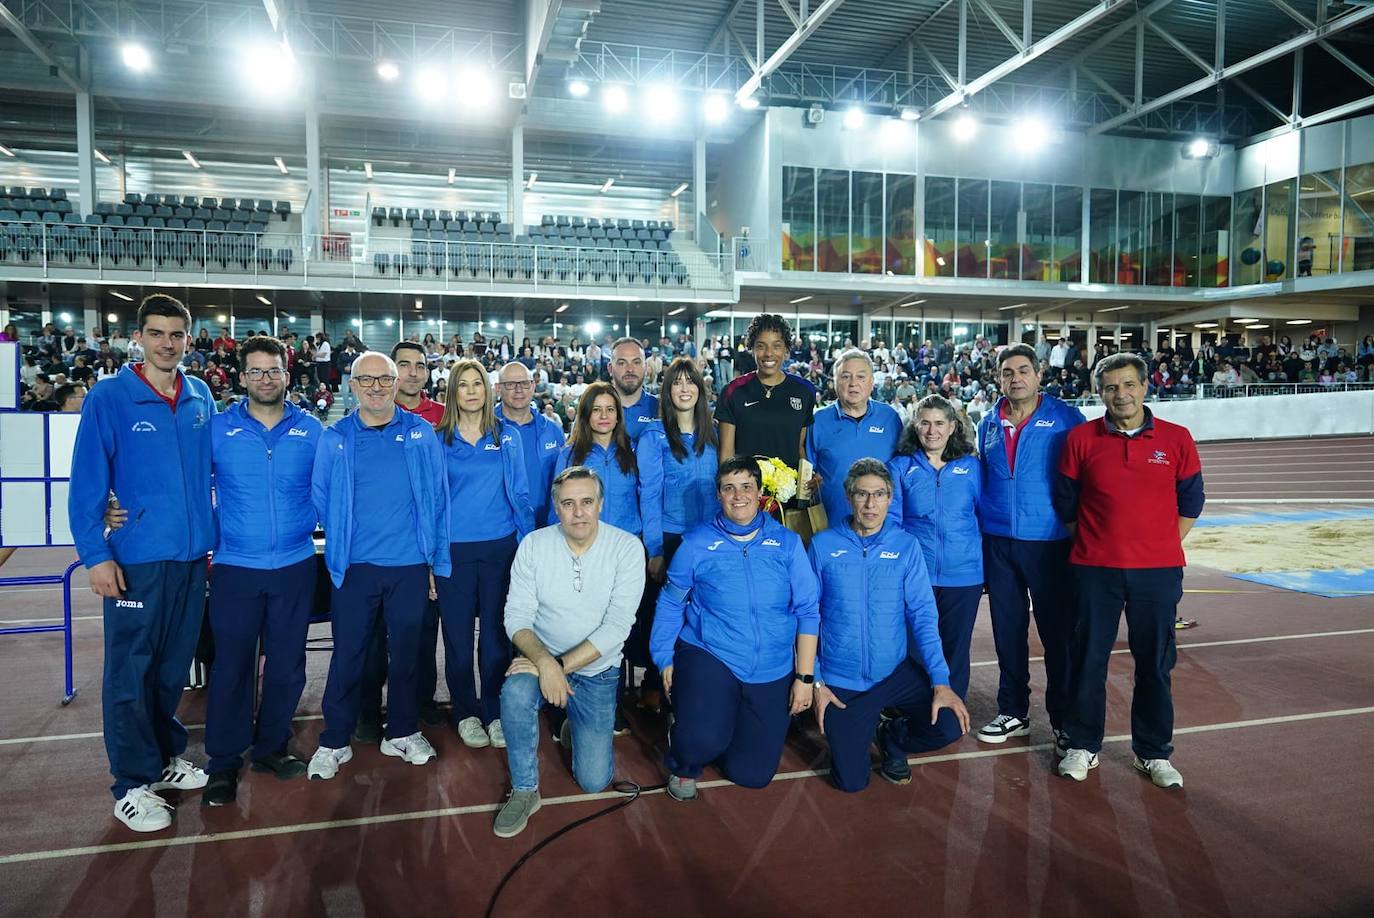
x=1020 y=506
x=548 y=437
x=633 y=502
x=262 y=487
x=155 y=461
x=836 y=441
x=689 y=484
x=874 y=594
x=332 y=490
x=940 y=508
x=742 y=602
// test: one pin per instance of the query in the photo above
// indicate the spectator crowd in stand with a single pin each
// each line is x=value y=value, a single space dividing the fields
x=60 y=366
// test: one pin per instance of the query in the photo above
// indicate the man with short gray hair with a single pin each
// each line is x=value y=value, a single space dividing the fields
x=854 y=427
x=574 y=588
x=1130 y=489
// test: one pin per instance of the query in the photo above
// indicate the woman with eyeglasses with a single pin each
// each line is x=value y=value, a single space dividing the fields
x=491 y=511
x=685 y=441
x=735 y=638
x=936 y=484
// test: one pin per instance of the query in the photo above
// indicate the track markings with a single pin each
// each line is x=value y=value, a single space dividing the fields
x=29 y=857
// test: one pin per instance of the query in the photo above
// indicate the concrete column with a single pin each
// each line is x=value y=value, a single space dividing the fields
x=517 y=179
x=312 y=223
x=698 y=186
x=519 y=333
x=85 y=153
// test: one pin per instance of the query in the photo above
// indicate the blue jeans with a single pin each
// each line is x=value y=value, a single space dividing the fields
x=592 y=713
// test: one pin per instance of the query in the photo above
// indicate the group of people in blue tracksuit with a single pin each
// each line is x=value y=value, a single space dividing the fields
x=740 y=627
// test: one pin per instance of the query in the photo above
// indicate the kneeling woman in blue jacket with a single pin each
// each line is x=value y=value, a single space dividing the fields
x=491 y=511
x=735 y=638
x=936 y=486
x=875 y=594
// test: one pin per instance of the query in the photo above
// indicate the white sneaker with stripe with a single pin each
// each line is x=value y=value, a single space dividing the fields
x=143 y=811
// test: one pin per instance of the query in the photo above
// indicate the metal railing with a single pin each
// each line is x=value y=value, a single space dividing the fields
x=1208 y=390
x=161 y=253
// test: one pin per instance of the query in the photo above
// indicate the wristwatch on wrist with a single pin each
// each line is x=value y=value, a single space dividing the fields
x=804 y=678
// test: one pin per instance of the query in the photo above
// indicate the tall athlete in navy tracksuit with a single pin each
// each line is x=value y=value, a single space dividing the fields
x=491 y=499
x=735 y=638
x=875 y=594
x=1025 y=546
x=936 y=485
x=145 y=435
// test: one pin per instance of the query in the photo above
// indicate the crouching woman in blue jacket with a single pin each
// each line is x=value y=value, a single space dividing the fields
x=875 y=593
x=735 y=638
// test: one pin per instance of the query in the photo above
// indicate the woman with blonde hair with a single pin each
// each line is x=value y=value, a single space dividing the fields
x=491 y=511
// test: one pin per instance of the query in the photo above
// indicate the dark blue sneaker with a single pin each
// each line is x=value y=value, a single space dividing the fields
x=894 y=767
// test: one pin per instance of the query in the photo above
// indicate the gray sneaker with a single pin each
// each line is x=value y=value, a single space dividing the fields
x=515 y=815
x=682 y=789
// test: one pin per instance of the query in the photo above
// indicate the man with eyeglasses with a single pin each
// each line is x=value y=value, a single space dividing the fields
x=381 y=489
x=573 y=592
x=539 y=436
x=262 y=582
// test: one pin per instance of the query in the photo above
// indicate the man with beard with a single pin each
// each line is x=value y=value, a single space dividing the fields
x=627 y=374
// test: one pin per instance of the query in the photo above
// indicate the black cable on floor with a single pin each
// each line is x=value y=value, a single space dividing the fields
x=623 y=786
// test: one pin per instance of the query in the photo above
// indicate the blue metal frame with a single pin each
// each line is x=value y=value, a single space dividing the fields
x=65 y=579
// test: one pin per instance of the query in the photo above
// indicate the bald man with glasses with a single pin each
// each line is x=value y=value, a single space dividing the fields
x=540 y=436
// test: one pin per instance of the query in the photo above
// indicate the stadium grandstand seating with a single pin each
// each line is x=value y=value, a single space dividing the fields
x=480 y=244
x=152 y=228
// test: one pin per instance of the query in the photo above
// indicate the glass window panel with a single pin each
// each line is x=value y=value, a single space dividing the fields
x=1130 y=235
x=936 y=333
x=1066 y=255
x=1278 y=230
x=971 y=259
x=798 y=219
x=901 y=224
x=1213 y=262
x=832 y=221
x=996 y=332
x=939 y=227
x=1319 y=223
x=844 y=332
x=1357 y=233
x=866 y=245
x=1159 y=238
x=1038 y=207
x=1005 y=231
x=814 y=332
x=909 y=334
x=1249 y=230
x=1187 y=235
x=965 y=331
x=1102 y=236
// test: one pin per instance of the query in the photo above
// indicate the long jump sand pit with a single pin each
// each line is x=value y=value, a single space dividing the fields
x=1331 y=545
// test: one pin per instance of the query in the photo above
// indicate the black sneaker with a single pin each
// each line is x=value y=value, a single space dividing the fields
x=282 y=765
x=221 y=790
x=622 y=726
x=894 y=767
x=1003 y=727
x=431 y=715
x=369 y=728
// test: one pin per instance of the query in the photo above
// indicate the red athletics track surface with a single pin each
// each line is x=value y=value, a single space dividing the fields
x=1275 y=710
x=1316 y=469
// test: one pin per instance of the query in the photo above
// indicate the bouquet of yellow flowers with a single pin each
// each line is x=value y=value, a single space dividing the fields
x=779 y=484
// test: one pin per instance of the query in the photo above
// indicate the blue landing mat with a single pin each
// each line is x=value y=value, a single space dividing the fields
x=1279 y=516
x=1329 y=584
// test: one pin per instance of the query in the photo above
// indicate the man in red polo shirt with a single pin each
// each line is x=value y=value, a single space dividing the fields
x=410 y=383
x=1130 y=490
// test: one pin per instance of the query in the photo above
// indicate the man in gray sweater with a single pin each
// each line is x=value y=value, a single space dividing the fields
x=574 y=588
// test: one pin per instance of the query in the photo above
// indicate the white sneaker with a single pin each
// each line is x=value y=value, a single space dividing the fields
x=142 y=810
x=1077 y=763
x=414 y=749
x=1159 y=771
x=1003 y=727
x=180 y=775
x=324 y=764
x=471 y=733
x=497 y=735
